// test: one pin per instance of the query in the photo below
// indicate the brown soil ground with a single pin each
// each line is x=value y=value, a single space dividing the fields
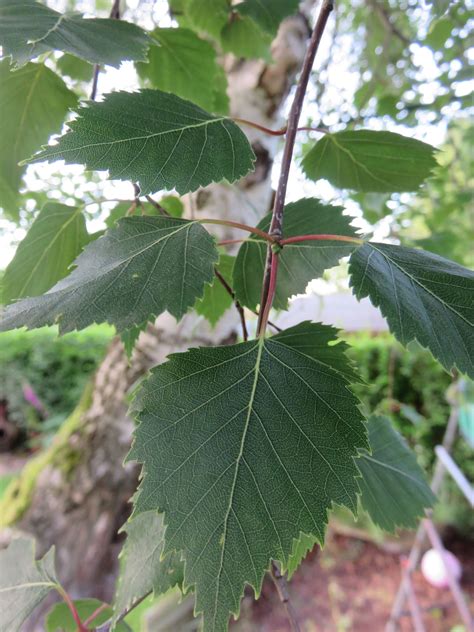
x=350 y=587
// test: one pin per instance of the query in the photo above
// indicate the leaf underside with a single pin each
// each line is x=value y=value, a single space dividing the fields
x=142 y=570
x=29 y=29
x=393 y=488
x=300 y=262
x=54 y=240
x=422 y=296
x=139 y=269
x=156 y=139
x=241 y=469
x=24 y=582
x=366 y=160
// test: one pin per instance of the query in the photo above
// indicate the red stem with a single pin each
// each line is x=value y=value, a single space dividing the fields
x=321 y=237
x=70 y=604
x=95 y=614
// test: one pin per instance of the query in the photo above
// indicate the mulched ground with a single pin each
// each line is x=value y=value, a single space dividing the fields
x=350 y=587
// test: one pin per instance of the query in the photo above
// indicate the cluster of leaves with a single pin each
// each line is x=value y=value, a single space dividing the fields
x=245 y=448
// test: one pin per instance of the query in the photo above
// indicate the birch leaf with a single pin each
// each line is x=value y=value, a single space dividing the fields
x=422 y=296
x=241 y=468
x=142 y=570
x=268 y=13
x=156 y=139
x=24 y=582
x=54 y=240
x=393 y=487
x=33 y=105
x=139 y=269
x=29 y=29
x=365 y=160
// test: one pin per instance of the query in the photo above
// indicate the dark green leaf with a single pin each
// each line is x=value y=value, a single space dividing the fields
x=268 y=13
x=239 y=466
x=365 y=160
x=130 y=336
x=216 y=299
x=183 y=64
x=155 y=139
x=422 y=296
x=393 y=487
x=33 y=105
x=142 y=570
x=28 y=29
x=54 y=240
x=139 y=269
x=300 y=262
x=24 y=582
x=60 y=619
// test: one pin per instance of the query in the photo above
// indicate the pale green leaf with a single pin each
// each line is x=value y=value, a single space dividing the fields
x=130 y=336
x=239 y=466
x=393 y=488
x=301 y=548
x=142 y=569
x=300 y=262
x=172 y=205
x=54 y=240
x=139 y=269
x=29 y=29
x=267 y=13
x=365 y=160
x=182 y=63
x=242 y=37
x=24 y=582
x=221 y=103
x=439 y=7
x=422 y=296
x=60 y=619
x=33 y=105
x=217 y=300
x=156 y=139
x=75 y=67
x=209 y=16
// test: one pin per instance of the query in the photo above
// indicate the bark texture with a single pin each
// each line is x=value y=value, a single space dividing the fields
x=80 y=508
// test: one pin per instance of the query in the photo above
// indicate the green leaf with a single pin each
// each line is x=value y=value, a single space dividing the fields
x=300 y=262
x=54 y=240
x=60 y=619
x=422 y=296
x=142 y=570
x=216 y=300
x=221 y=103
x=139 y=269
x=242 y=37
x=239 y=466
x=439 y=7
x=268 y=13
x=156 y=139
x=183 y=64
x=365 y=160
x=130 y=336
x=301 y=548
x=29 y=29
x=24 y=582
x=33 y=104
x=75 y=68
x=172 y=205
x=393 y=488
x=209 y=16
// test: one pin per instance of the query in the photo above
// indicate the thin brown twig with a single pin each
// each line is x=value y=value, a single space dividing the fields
x=238 y=306
x=281 y=586
x=114 y=14
x=157 y=205
x=276 y=226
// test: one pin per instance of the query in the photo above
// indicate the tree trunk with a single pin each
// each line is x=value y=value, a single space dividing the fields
x=80 y=498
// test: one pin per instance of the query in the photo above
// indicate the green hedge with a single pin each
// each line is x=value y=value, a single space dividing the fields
x=57 y=369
